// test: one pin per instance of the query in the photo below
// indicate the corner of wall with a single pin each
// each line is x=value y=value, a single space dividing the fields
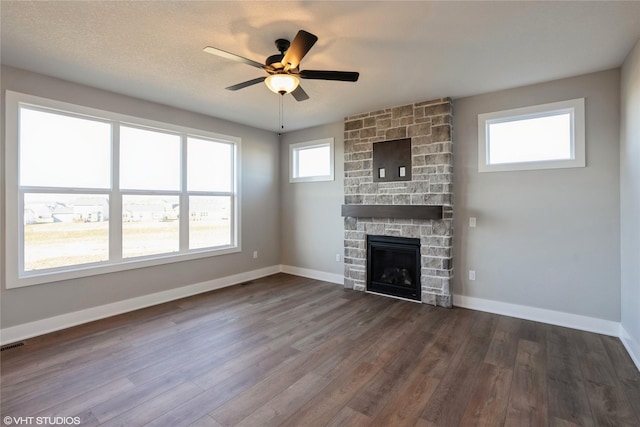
x=632 y=345
x=630 y=202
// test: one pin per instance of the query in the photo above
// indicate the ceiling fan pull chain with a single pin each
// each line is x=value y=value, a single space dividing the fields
x=281 y=111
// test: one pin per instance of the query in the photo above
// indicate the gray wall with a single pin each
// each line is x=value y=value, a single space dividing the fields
x=551 y=238
x=311 y=224
x=630 y=196
x=548 y=239
x=259 y=209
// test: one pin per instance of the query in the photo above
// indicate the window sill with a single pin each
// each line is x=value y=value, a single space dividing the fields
x=88 y=270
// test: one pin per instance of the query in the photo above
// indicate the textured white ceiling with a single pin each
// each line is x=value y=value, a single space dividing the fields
x=405 y=51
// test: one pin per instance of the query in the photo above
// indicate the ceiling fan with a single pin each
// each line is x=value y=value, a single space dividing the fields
x=283 y=68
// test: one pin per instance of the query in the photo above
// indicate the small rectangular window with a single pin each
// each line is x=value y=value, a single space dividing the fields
x=311 y=161
x=539 y=137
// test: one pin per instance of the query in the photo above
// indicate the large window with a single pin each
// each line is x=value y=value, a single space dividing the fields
x=538 y=137
x=91 y=192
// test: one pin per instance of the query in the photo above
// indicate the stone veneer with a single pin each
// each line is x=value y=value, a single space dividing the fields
x=429 y=125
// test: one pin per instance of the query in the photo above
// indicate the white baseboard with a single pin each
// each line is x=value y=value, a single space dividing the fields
x=632 y=346
x=51 y=324
x=574 y=321
x=313 y=274
x=558 y=318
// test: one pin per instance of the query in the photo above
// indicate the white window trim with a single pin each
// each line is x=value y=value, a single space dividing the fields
x=574 y=106
x=13 y=279
x=293 y=166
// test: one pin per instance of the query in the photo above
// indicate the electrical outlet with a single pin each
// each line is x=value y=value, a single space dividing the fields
x=255 y=254
x=337 y=257
x=472 y=222
x=472 y=275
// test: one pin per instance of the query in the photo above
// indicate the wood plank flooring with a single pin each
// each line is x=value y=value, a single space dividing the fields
x=290 y=351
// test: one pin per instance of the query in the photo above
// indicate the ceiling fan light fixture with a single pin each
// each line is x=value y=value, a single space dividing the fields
x=283 y=69
x=282 y=83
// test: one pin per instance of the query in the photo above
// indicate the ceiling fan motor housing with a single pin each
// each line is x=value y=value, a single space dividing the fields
x=276 y=60
x=282 y=45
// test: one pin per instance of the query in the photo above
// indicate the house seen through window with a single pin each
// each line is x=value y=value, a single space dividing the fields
x=93 y=192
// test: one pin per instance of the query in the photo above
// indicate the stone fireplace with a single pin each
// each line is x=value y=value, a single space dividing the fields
x=417 y=204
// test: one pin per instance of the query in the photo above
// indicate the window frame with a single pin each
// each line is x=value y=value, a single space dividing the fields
x=293 y=160
x=574 y=107
x=16 y=277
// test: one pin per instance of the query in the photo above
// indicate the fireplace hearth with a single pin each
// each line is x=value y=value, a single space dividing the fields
x=393 y=266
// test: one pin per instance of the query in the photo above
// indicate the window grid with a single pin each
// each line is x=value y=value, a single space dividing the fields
x=19 y=276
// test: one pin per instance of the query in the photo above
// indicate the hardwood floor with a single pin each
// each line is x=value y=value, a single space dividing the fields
x=289 y=351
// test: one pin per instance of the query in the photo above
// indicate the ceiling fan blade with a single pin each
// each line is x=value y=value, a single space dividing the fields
x=299 y=94
x=232 y=56
x=343 y=76
x=246 y=84
x=300 y=45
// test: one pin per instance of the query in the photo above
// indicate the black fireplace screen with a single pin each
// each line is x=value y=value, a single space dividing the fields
x=393 y=266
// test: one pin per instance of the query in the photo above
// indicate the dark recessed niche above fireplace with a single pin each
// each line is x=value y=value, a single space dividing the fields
x=392 y=160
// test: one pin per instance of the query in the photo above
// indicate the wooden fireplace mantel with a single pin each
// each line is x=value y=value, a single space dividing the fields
x=393 y=211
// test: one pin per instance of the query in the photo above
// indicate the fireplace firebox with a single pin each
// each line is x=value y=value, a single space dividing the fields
x=393 y=266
